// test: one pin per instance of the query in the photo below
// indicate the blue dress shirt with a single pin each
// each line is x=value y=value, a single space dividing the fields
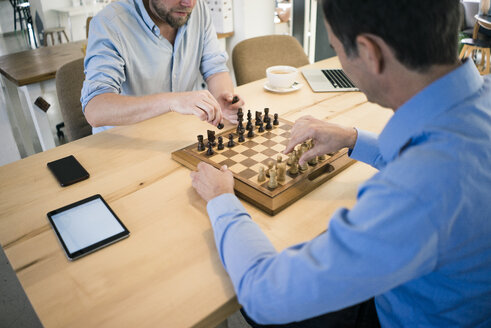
x=127 y=55
x=418 y=238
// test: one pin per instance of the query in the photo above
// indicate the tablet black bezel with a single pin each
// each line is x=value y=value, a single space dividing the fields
x=91 y=248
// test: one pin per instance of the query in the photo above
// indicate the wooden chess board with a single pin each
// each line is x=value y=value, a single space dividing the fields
x=245 y=159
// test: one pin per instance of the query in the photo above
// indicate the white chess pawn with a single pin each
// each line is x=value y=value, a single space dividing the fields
x=273 y=183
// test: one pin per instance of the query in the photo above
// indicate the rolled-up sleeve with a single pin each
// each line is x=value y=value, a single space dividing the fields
x=104 y=63
x=214 y=60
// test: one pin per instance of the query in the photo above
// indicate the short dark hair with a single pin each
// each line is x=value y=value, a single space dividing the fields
x=420 y=32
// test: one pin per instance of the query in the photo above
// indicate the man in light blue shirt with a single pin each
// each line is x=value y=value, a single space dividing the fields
x=145 y=58
x=417 y=244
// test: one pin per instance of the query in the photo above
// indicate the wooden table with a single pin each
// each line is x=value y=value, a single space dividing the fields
x=484 y=21
x=24 y=76
x=167 y=273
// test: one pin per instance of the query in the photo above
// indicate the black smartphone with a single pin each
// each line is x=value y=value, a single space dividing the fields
x=68 y=170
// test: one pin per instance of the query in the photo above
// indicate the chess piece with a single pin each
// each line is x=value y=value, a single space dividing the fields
x=291 y=157
x=322 y=157
x=241 y=136
x=249 y=124
x=210 y=151
x=313 y=161
x=270 y=167
x=261 y=177
x=273 y=183
x=249 y=115
x=293 y=169
x=281 y=169
x=231 y=142
x=268 y=125
x=276 y=121
x=211 y=137
x=266 y=115
x=220 y=143
x=220 y=126
x=250 y=134
x=261 y=127
x=258 y=118
x=235 y=99
x=279 y=159
x=201 y=144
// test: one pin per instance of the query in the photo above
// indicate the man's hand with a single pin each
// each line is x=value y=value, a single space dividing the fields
x=210 y=182
x=327 y=137
x=229 y=106
x=200 y=103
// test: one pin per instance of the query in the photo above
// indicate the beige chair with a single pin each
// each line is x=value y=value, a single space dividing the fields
x=69 y=81
x=251 y=57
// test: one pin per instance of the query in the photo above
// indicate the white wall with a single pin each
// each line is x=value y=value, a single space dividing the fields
x=6 y=17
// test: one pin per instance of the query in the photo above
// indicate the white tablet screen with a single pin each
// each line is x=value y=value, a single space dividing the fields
x=86 y=224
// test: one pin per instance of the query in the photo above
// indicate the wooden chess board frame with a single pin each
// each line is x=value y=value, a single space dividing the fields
x=271 y=201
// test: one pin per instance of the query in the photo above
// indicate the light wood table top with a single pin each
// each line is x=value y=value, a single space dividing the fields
x=40 y=64
x=167 y=273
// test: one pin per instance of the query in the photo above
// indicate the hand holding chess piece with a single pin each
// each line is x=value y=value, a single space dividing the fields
x=327 y=137
x=230 y=103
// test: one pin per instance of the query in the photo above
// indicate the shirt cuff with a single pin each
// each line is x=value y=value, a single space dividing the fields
x=225 y=205
x=366 y=147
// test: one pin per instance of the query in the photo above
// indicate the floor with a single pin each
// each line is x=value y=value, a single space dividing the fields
x=15 y=309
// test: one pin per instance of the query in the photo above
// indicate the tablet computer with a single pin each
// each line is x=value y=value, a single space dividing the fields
x=86 y=226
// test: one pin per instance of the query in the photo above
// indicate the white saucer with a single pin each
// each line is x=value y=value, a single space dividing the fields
x=294 y=87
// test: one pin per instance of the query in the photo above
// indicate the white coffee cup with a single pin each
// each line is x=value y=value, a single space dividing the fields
x=281 y=77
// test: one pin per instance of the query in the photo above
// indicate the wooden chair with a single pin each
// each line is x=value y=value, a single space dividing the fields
x=478 y=50
x=87 y=24
x=69 y=82
x=251 y=57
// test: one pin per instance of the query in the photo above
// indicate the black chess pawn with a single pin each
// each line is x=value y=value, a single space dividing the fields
x=210 y=151
x=250 y=134
x=241 y=136
x=231 y=142
x=201 y=144
x=276 y=121
x=220 y=126
x=268 y=125
x=261 y=127
x=220 y=143
x=235 y=99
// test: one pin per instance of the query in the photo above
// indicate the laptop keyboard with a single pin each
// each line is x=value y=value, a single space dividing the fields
x=338 y=79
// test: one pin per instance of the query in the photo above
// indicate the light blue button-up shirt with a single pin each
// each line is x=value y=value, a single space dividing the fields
x=127 y=55
x=418 y=238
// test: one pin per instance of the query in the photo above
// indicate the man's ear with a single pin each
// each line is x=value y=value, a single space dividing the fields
x=370 y=52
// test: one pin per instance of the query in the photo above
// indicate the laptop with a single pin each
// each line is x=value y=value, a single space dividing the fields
x=328 y=80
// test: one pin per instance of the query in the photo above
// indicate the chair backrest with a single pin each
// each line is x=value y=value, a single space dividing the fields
x=251 y=57
x=87 y=24
x=69 y=80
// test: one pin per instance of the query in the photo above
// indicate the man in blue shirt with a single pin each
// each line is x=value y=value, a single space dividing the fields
x=144 y=58
x=416 y=246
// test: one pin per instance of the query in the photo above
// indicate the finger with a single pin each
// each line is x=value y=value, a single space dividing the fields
x=208 y=109
x=295 y=139
x=224 y=168
x=308 y=155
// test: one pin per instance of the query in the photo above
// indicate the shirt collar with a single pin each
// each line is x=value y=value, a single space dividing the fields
x=421 y=109
x=149 y=22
